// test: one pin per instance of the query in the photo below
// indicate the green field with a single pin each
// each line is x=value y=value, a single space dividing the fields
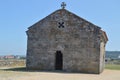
x=112 y=66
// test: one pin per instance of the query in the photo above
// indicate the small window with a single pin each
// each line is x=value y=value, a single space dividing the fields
x=61 y=25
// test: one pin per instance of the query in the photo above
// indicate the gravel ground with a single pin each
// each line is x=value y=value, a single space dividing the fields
x=24 y=75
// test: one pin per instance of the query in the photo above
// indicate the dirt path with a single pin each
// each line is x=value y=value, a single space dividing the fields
x=17 y=75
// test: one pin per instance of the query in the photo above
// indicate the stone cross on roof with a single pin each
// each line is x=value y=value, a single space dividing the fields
x=63 y=5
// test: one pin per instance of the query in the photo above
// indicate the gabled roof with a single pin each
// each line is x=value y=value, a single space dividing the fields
x=61 y=11
x=104 y=35
x=66 y=11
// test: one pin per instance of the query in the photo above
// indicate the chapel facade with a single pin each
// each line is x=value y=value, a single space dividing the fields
x=65 y=41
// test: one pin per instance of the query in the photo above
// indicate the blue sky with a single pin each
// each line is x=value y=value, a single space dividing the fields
x=17 y=15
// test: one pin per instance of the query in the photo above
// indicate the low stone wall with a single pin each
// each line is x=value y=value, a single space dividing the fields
x=12 y=63
x=113 y=61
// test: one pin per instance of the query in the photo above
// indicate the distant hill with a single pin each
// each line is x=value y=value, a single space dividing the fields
x=113 y=54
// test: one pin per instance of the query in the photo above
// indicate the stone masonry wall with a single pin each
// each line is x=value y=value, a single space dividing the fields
x=76 y=38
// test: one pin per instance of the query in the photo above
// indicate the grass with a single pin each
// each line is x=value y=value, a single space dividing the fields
x=112 y=66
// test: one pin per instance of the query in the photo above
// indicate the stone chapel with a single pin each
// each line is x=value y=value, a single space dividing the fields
x=64 y=41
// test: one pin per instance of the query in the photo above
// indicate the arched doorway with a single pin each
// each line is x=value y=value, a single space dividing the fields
x=58 y=60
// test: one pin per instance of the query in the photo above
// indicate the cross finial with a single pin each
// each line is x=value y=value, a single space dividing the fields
x=63 y=5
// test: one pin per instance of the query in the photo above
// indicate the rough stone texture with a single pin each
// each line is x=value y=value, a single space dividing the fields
x=82 y=43
x=12 y=63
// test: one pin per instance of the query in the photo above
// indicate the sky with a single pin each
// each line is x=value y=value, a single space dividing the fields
x=17 y=15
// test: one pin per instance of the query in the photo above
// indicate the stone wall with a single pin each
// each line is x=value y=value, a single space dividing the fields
x=12 y=63
x=102 y=56
x=76 y=38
